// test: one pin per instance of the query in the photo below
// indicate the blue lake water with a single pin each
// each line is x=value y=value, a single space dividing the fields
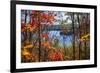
x=63 y=39
x=66 y=39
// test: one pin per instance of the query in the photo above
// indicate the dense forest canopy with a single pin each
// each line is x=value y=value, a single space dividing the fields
x=54 y=36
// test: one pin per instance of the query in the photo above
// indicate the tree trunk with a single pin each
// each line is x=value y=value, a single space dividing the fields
x=73 y=36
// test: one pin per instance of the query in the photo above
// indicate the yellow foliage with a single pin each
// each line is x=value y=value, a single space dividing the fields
x=25 y=52
x=28 y=46
x=85 y=37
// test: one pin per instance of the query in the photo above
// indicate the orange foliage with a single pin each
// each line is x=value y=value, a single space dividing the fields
x=30 y=27
x=47 y=17
x=25 y=53
x=28 y=46
x=43 y=17
x=33 y=27
x=56 y=55
x=23 y=27
x=46 y=44
x=27 y=56
x=44 y=35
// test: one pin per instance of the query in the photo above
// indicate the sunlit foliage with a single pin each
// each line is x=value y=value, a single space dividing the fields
x=54 y=36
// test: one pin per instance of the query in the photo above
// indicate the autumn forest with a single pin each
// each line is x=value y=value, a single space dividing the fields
x=54 y=36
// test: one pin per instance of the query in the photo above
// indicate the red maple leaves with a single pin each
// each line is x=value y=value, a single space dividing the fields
x=44 y=35
x=38 y=18
x=47 y=18
x=56 y=55
x=38 y=21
